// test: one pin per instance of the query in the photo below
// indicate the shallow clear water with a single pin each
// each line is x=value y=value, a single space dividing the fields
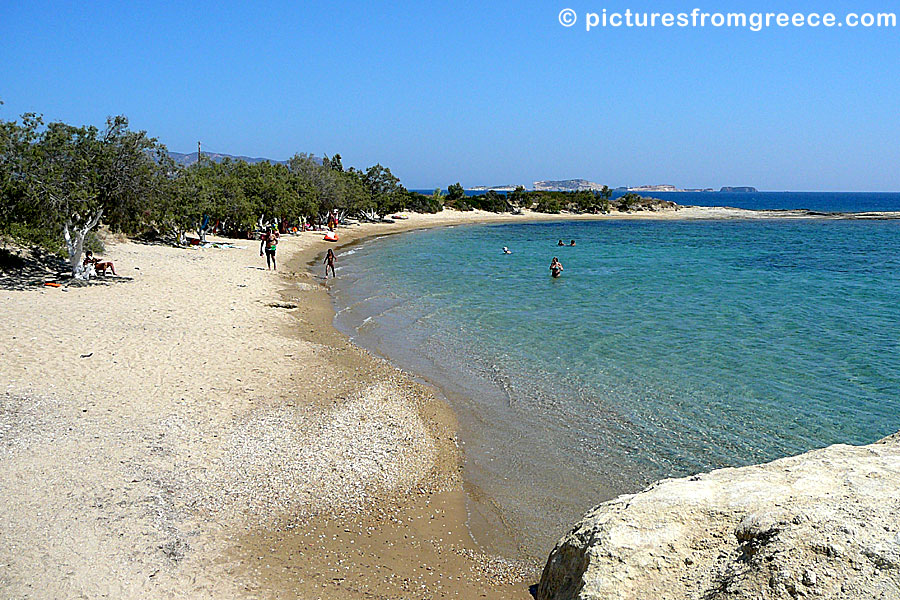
x=664 y=349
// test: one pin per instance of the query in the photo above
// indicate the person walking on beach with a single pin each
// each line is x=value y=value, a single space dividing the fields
x=269 y=243
x=556 y=267
x=329 y=262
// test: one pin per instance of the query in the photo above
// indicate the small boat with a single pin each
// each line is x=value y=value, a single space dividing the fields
x=331 y=236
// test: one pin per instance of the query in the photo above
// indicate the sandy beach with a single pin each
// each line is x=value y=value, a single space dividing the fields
x=196 y=428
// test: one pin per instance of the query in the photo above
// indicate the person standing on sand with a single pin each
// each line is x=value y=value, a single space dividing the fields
x=329 y=262
x=269 y=243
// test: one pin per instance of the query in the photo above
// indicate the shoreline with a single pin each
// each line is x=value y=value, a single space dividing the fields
x=183 y=434
x=496 y=537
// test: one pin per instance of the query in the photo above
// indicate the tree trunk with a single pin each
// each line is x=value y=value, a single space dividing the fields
x=75 y=243
x=202 y=226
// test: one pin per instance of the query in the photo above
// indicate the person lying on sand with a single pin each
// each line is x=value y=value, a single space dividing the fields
x=99 y=266
x=329 y=262
x=556 y=267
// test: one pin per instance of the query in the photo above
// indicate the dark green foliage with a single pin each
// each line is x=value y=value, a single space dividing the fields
x=629 y=201
x=589 y=202
x=58 y=178
x=421 y=203
x=461 y=204
x=62 y=179
x=455 y=192
x=549 y=202
x=491 y=202
x=29 y=236
x=333 y=163
x=520 y=198
x=59 y=182
x=456 y=198
x=584 y=201
x=385 y=194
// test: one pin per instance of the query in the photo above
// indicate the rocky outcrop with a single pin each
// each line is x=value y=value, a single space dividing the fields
x=567 y=185
x=655 y=188
x=825 y=524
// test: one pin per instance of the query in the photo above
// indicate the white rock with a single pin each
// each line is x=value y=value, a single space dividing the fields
x=752 y=532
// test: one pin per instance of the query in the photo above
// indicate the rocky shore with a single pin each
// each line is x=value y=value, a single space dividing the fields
x=825 y=524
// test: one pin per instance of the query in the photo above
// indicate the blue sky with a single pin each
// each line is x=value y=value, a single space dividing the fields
x=502 y=93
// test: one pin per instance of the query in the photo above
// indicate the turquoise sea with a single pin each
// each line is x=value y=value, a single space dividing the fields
x=665 y=349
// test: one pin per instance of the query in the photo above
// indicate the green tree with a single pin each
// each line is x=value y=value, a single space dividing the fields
x=629 y=201
x=73 y=176
x=15 y=144
x=384 y=189
x=548 y=202
x=172 y=208
x=519 y=197
x=455 y=192
x=334 y=163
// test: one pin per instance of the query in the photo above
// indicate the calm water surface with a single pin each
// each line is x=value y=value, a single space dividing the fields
x=664 y=349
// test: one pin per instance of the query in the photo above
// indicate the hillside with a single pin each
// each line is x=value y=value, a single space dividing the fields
x=189 y=158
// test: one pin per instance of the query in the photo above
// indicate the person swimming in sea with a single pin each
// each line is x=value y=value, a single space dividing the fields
x=572 y=243
x=506 y=250
x=560 y=243
x=556 y=268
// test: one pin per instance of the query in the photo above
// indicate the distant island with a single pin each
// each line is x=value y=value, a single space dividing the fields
x=655 y=188
x=672 y=188
x=496 y=188
x=568 y=185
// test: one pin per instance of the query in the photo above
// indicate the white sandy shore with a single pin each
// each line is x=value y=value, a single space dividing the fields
x=148 y=427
